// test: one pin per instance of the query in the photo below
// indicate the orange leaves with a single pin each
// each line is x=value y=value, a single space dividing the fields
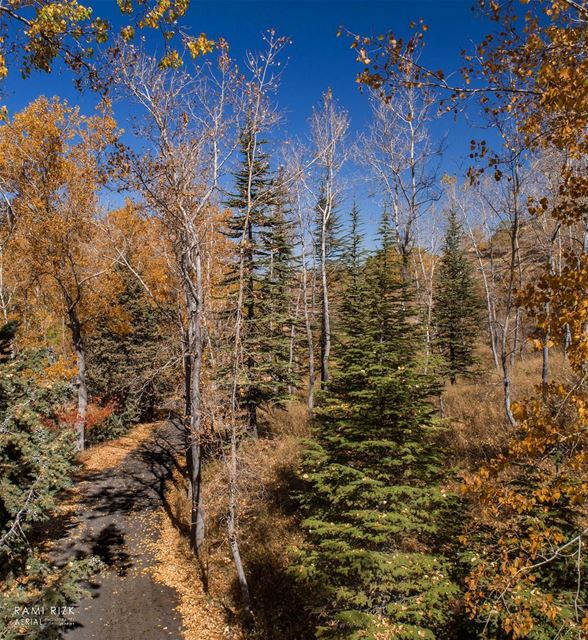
x=199 y=46
x=138 y=242
x=49 y=164
x=523 y=523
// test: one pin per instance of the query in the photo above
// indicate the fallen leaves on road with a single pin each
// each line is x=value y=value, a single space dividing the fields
x=176 y=567
x=110 y=454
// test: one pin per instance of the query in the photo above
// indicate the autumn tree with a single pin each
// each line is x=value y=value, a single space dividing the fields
x=132 y=349
x=187 y=122
x=402 y=159
x=51 y=172
x=329 y=126
x=43 y=31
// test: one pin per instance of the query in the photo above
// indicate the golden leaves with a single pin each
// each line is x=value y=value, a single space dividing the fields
x=200 y=46
x=171 y=60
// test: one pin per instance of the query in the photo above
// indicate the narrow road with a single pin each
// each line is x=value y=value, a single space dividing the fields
x=115 y=523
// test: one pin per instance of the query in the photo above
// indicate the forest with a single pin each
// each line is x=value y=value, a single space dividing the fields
x=271 y=384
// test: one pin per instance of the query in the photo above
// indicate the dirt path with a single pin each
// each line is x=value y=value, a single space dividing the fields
x=115 y=521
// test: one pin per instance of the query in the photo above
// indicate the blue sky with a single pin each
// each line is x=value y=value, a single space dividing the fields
x=317 y=58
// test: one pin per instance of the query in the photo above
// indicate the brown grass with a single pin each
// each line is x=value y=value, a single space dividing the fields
x=478 y=427
x=268 y=530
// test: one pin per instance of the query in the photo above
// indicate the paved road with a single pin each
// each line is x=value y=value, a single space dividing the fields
x=114 y=521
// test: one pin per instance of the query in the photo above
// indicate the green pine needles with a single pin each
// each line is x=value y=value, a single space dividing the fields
x=457 y=305
x=262 y=268
x=36 y=462
x=373 y=499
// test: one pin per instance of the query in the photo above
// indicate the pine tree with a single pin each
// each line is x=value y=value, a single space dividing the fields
x=7 y=334
x=352 y=258
x=37 y=461
x=275 y=291
x=373 y=500
x=259 y=228
x=457 y=306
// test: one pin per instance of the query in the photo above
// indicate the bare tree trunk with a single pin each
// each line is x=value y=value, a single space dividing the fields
x=232 y=525
x=292 y=343
x=545 y=353
x=325 y=213
x=506 y=383
x=81 y=383
x=506 y=352
x=518 y=342
x=192 y=277
x=490 y=314
x=326 y=316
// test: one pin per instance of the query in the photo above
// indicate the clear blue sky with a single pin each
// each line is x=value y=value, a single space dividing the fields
x=317 y=58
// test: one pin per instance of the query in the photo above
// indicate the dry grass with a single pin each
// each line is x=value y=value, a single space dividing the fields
x=110 y=454
x=268 y=530
x=475 y=409
x=290 y=422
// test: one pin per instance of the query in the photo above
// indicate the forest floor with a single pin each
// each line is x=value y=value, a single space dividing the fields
x=113 y=515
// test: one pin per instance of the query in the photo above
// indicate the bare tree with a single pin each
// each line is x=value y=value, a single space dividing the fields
x=402 y=160
x=186 y=125
x=259 y=117
x=329 y=125
x=304 y=219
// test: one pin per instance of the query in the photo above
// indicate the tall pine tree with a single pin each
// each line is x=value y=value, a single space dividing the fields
x=373 y=500
x=259 y=227
x=457 y=306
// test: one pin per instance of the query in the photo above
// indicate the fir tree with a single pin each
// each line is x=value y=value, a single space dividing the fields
x=456 y=311
x=7 y=334
x=37 y=461
x=275 y=292
x=373 y=500
x=259 y=228
x=352 y=258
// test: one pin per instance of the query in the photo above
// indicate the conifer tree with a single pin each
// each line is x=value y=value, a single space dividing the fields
x=457 y=306
x=258 y=225
x=373 y=500
x=275 y=291
x=37 y=462
x=352 y=258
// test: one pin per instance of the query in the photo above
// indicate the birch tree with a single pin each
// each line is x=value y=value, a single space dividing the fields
x=186 y=125
x=329 y=125
x=403 y=161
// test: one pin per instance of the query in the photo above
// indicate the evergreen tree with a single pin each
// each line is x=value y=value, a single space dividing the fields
x=36 y=462
x=373 y=500
x=275 y=292
x=261 y=232
x=126 y=357
x=352 y=258
x=457 y=306
x=7 y=333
